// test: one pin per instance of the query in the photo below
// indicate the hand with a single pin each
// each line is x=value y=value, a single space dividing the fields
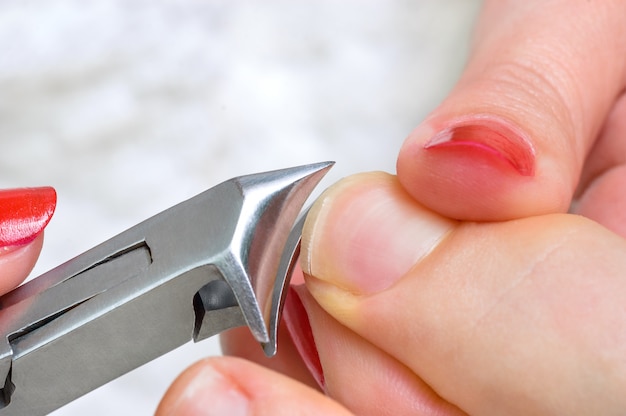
x=518 y=317
x=411 y=311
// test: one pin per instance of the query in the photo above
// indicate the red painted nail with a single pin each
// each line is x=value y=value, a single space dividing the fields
x=24 y=213
x=490 y=137
x=297 y=322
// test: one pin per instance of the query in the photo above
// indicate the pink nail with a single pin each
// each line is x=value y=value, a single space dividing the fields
x=297 y=322
x=492 y=137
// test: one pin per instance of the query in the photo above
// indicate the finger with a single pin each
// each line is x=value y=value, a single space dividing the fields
x=231 y=386
x=605 y=202
x=521 y=317
x=24 y=213
x=511 y=138
x=295 y=355
x=361 y=377
x=364 y=378
x=239 y=342
x=599 y=195
x=17 y=262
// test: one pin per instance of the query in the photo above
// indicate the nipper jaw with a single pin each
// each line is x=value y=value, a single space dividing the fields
x=219 y=260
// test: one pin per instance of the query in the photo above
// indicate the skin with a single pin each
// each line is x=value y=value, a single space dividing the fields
x=16 y=262
x=501 y=321
x=519 y=313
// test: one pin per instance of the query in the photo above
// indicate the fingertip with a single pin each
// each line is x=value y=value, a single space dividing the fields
x=204 y=389
x=480 y=168
x=512 y=137
x=24 y=214
x=232 y=386
x=16 y=262
x=368 y=252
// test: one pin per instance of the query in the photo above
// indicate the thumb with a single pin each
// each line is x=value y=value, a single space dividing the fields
x=520 y=317
x=511 y=139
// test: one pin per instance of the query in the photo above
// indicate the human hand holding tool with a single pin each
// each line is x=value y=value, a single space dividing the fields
x=219 y=260
x=412 y=311
x=518 y=308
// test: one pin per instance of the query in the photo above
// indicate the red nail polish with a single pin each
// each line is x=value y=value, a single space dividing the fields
x=24 y=213
x=489 y=137
x=297 y=322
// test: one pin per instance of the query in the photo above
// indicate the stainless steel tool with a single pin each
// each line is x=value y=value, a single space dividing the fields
x=219 y=260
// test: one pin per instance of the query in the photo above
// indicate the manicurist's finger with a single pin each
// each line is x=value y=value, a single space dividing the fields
x=231 y=386
x=17 y=262
x=24 y=213
x=520 y=317
x=511 y=138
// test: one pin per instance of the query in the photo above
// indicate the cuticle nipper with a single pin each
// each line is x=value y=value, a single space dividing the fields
x=216 y=261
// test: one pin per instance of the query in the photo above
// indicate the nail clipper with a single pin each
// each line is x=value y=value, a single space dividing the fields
x=219 y=260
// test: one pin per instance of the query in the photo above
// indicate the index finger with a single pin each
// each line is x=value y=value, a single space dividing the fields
x=511 y=139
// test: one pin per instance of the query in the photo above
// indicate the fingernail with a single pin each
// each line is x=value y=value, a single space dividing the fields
x=209 y=393
x=365 y=233
x=490 y=137
x=297 y=322
x=24 y=213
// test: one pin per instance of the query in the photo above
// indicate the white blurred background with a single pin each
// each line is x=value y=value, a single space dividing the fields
x=128 y=107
